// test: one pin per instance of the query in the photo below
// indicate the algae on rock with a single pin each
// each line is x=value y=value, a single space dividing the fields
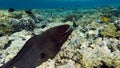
x=5 y=28
x=110 y=31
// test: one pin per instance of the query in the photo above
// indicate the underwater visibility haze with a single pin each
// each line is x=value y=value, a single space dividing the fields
x=60 y=33
x=55 y=3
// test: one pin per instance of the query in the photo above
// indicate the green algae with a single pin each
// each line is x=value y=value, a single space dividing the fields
x=5 y=29
x=110 y=31
x=6 y=26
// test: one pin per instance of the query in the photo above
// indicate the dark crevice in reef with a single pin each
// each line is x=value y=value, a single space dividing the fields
x=8 y=44
x=104 y=65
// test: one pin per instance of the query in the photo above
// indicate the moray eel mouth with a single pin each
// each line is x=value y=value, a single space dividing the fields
x=65 y=35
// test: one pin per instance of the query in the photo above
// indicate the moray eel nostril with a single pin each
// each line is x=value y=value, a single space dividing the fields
x=40 y=48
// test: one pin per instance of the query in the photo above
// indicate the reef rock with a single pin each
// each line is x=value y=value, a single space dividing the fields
x=3 y=41
x=14 y=43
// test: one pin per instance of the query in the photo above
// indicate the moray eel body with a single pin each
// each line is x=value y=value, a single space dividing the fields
x=40 y=48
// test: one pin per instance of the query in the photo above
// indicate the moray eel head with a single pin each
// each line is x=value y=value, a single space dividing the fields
x=60 y=33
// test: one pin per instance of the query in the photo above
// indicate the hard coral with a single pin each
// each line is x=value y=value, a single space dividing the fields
x=110 y=31
x=70 y=18
x=6 y=26
x=23 y=23
x=5 y=29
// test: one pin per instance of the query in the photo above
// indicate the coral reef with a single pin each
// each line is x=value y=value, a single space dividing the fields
x=6 y=27
x=70 y=18
x=94 y=43
x=110 y=31
x=23 y=23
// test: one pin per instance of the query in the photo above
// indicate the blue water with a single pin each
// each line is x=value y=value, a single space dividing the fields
x=21 y=4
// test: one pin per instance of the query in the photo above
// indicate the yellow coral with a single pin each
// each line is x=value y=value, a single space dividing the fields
x=110 y=31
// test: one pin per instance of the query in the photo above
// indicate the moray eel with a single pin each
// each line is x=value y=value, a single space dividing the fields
x=40 y=48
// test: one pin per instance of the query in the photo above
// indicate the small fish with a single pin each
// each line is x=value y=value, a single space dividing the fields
x=40 y=48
